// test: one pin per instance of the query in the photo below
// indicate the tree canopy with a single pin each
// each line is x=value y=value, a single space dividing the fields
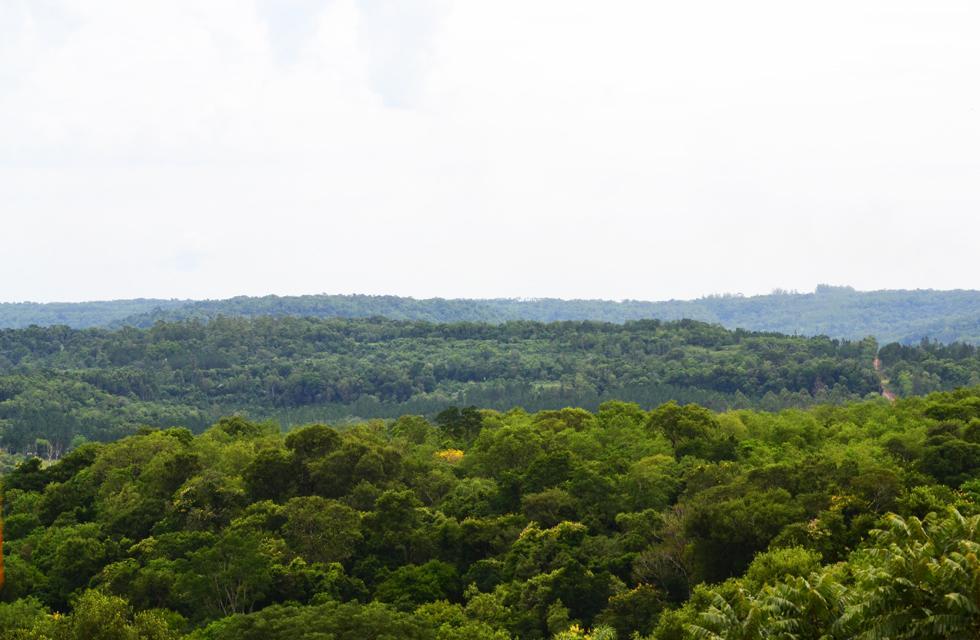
x=852 y=521
x=839 y=312
x=61 y=386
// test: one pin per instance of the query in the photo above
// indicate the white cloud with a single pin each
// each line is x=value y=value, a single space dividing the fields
x=442 y=147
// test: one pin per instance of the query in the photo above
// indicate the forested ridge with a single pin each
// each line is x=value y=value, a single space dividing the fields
x=904 y=316
x=834 y=522
x=60 y=386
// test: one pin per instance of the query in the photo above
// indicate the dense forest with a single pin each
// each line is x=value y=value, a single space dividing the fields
x=904 y=316
x=61 y=386
x=834 y=522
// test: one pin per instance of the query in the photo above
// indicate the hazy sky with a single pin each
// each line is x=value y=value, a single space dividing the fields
x=466 y=148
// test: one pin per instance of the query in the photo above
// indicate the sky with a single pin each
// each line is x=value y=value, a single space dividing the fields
x=461 y=148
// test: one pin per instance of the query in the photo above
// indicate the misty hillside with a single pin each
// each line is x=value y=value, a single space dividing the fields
x=904 y=316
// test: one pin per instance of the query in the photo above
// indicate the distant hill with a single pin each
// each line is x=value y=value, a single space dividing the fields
x=57 y=382
x=79 y=315
x=904 y=316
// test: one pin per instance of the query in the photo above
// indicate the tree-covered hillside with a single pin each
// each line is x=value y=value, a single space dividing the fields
x=838 y=312
x=58 y=383
x=858 y=521
x=79 y=315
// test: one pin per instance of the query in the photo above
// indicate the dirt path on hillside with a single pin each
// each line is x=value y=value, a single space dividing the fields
x=882 y=380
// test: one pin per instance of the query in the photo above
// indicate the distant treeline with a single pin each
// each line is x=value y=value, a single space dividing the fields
x=839 y=312
x=58 y=385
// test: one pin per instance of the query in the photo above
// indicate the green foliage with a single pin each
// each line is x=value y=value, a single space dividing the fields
x=230 y=577
x=911 y=580
x=918 y=580
x=60 y=387
x=96 y=616
x=411 y=585
x=373 y=621
x=778 y=564
x=839 y=312
x=562 y=523
x=22 y=617
x=321 y=530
